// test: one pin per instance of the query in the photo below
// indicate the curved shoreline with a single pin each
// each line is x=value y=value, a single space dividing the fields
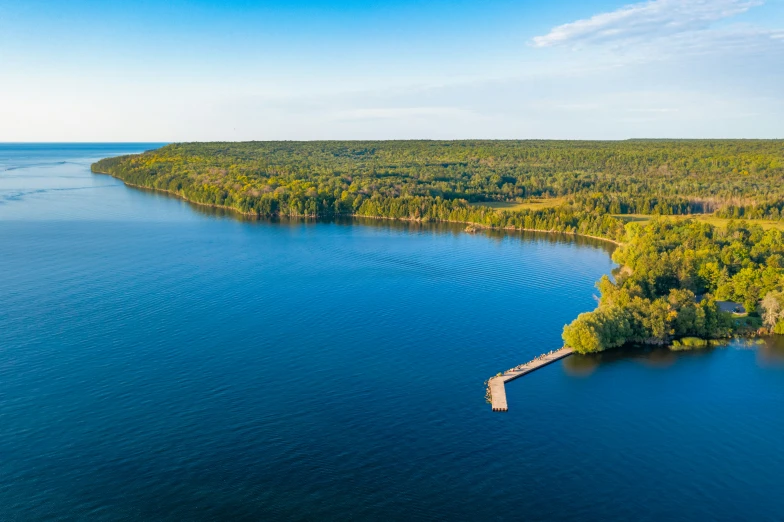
x=354 y=215
x=498 y=399
x=517 y=371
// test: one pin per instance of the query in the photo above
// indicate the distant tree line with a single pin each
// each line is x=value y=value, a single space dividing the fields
x=323 y=178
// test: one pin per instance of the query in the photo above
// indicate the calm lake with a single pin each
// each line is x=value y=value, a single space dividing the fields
x=164 y=362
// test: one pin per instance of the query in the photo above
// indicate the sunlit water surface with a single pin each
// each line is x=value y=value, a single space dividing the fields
x=163 y=362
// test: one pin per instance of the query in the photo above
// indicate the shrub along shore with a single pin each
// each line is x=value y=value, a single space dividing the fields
x=672 y=272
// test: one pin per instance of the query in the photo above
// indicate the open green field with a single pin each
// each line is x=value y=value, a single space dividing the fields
x=705 y=218
x=529 y=204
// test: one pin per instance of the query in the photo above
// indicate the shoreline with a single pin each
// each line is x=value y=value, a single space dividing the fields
x=354 y=215
x=254 y=216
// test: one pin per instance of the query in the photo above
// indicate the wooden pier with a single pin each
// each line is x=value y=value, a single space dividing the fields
x=496 y=384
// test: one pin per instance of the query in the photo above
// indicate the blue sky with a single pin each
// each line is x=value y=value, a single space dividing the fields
x=207 y=70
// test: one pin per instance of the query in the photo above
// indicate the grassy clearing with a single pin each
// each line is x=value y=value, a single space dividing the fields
x=538 y=204
x=705 y=218
x=634 y=218
x=721 y=222
x=529 y=204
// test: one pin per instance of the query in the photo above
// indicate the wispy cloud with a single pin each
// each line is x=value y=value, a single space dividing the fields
x=645 y=20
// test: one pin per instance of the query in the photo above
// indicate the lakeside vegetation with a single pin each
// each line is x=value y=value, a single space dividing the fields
x=672 y=275
x=671 y=204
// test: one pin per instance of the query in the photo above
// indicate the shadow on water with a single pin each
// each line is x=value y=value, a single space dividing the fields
x=653 y=356
x=392 y=224
x=770 y=352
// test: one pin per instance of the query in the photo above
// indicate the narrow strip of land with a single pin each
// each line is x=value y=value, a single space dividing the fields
x=497 y=384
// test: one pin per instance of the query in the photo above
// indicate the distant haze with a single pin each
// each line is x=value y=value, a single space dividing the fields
x=238 y=70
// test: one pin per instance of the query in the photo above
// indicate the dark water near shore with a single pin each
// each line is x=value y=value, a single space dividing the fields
x=164 y=362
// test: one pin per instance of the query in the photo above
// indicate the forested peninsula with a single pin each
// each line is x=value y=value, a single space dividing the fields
x=671 y=205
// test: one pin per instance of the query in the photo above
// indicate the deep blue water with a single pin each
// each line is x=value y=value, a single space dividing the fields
x=164 y=362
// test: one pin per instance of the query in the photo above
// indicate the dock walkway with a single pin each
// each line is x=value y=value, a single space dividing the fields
x=496 y=384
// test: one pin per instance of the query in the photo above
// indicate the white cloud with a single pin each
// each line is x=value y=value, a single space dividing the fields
x=644 y=20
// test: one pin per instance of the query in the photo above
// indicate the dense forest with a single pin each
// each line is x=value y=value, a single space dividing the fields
x=671 y=276
x=673 y=272
x=320 y=178
x=772 y=209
